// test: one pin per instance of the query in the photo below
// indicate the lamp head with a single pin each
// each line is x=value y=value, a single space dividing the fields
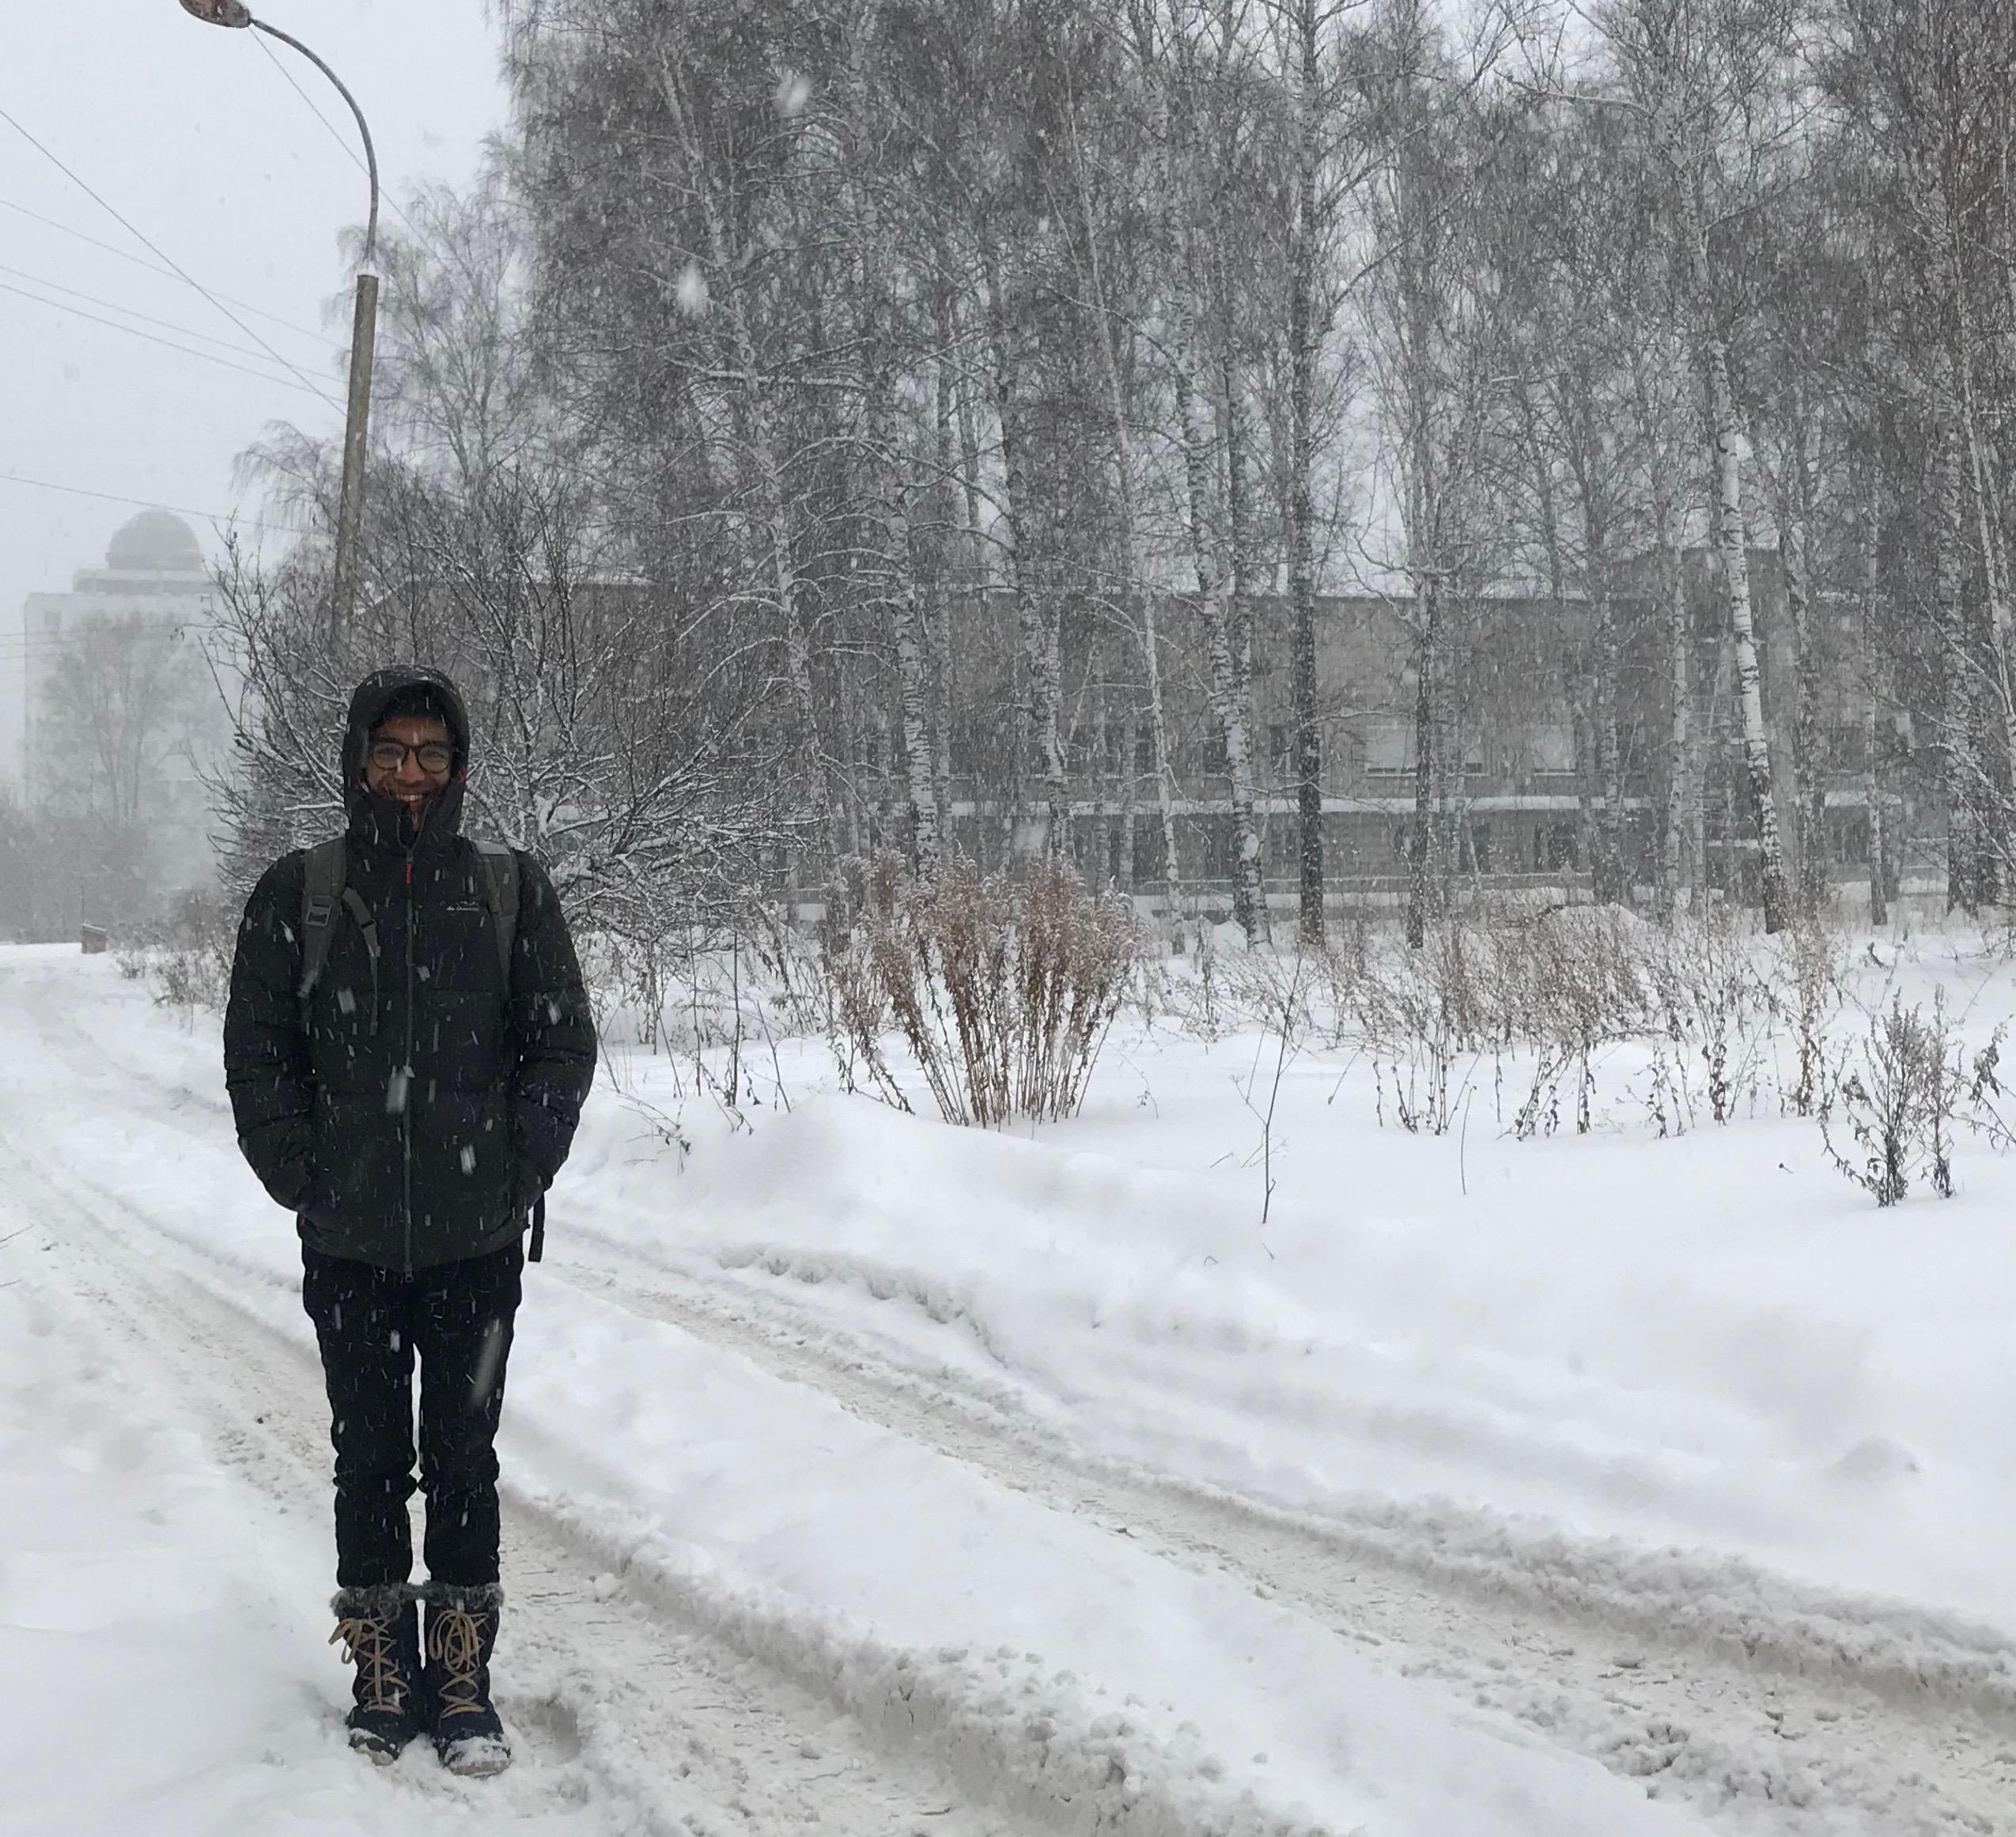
x=231 y=12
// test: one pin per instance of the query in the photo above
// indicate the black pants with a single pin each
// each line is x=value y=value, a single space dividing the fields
x=370 y=1322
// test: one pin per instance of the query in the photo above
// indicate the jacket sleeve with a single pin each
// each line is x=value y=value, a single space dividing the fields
x=266 y=1055
x=553 y=1027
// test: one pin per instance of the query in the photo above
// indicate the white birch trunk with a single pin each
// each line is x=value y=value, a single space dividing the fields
x=1306 y=752
x=913 y=678
x=1708 y=731
x=1731 y=446
x=1967 y=868
x=1214 y=596
x=1139 y=588
x=1809 y=768
x=1234 y=710
x=1872 y=788
x=1037 y=834
x=775 y=515
x=1679 y=750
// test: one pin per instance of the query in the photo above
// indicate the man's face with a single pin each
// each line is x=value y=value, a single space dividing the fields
x=408 y=759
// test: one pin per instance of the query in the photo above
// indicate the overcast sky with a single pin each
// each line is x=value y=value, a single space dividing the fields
x=194 y=136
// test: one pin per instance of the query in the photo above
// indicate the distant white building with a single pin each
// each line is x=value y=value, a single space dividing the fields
x=155 y=581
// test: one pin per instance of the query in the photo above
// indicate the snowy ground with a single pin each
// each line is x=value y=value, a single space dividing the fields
x=874 y=1475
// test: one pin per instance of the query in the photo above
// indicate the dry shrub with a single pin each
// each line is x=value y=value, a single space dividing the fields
x=1896 y=1102
x=1713 y=1006
x=187 y=957
x=1003 y=994
x=1809 y=963
x=1562 y=984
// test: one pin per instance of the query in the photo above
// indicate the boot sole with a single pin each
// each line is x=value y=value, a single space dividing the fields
x=479 y=1758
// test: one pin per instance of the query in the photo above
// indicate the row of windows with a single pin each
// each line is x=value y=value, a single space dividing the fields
x=1543 y=753
x=1361 y=846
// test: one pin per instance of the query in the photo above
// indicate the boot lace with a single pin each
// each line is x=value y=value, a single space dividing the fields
x=454 y=1642
x=369 y=1644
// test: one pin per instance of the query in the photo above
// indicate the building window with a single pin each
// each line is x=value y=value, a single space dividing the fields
x=1850 y=838
x=1554 y=849
x=1389 y=753
x=1549 y=750
x=1845 y=751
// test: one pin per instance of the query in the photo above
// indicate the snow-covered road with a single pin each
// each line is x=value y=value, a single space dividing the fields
x=773 y=1566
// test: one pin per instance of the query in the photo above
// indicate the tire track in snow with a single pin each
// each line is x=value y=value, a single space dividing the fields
x=1785 y=1708
x=1023 y=1752
x=612 y=1698
x=1773 y=1707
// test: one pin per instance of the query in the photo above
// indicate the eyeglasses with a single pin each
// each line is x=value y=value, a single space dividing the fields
x=435 y=756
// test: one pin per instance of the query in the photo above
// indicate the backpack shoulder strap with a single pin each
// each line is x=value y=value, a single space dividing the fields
x=499 y=862
x=325 y=870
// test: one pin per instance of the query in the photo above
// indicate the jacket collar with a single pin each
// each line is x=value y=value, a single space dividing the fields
x=379 y=824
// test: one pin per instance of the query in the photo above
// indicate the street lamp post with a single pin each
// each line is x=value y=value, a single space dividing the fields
x=363 y=327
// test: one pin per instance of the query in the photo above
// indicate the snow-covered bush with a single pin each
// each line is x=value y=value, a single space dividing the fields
x=1900 y=1096
x=1895 y=1101
x=1714 y=1007
x=1003 y=993
x=186 y=958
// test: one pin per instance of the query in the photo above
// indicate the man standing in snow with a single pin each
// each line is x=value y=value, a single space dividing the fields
x=407 y=1047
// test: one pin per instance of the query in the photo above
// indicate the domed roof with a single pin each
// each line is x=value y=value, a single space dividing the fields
x=156 y=542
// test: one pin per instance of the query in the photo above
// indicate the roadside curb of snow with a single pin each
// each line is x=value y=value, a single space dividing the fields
x=1028 y=1742
x=1719 y=1605
x=1723 y=1606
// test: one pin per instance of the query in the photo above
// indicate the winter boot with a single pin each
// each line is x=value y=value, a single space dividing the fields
x=379 y=1628
x=461 y=1634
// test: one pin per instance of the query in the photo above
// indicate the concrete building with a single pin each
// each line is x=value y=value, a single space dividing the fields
x=1517 y=708
x=142 y=619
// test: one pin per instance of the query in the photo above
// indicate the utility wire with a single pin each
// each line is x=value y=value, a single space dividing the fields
x=155 y=267
x=154 y=339
x=201 y=337
x=148 y=504
x=165 y=256
x=335 y=134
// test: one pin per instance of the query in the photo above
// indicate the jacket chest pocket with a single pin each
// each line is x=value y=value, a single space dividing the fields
x=458 y=997
x=455 y=950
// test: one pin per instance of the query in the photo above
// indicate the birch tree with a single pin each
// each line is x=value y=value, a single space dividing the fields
x=1704 y=75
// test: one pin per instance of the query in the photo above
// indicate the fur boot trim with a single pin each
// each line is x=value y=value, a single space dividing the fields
x=383 y=1600
x=482 y=1597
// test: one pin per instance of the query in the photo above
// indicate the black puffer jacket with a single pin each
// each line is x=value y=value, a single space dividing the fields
x=409 y=1118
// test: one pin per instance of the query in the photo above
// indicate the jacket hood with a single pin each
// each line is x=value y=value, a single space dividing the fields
x=380 y=817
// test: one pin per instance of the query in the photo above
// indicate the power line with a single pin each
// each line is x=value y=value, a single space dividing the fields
x=154 y=339
x=335 y=135
x=155 y=267
x=164 y=254
x=202 y=338
x=229 y=519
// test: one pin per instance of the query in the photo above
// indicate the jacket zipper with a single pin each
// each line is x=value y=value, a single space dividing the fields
x=406 y=1109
